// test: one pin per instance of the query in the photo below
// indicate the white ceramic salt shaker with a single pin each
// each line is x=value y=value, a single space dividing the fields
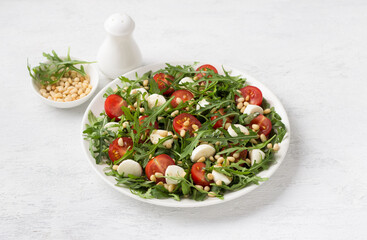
x=119 y=52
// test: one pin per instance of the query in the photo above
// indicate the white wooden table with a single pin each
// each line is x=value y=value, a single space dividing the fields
x=312 y=54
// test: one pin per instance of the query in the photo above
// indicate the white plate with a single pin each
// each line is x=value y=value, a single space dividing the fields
x=97 y=106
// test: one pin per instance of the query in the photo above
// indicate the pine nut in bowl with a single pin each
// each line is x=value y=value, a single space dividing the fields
x=71 y=83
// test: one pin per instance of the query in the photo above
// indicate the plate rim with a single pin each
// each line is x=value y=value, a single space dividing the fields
x=171 y=202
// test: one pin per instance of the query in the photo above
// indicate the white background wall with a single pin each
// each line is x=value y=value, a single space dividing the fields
x=312 y=54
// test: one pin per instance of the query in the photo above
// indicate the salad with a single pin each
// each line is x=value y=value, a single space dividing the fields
x=185 y=132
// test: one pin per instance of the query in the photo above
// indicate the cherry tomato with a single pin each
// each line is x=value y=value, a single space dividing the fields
x=164 y=82
x=115 y=151
x=219 y=123
x=113 y=105
x=205 y=68
x=141 y=120
x=198 y=174
x=184 y=95
x=264 y=123
x=178 y=123
x=253 y=94
x=158 y=164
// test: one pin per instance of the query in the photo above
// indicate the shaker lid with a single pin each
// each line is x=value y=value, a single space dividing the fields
x=119 y=24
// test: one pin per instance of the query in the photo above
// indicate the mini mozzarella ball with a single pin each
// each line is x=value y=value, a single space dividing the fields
x=129 y=166
x=112 y=126
x=155 y=99
x=141 y=90
x=256 y=155
x=158 y=134
x=174 y=171
x=253 y=109
x=242 y=128
x=204 y=150
x=185 y=80
x=220 y=176
x=202 y=103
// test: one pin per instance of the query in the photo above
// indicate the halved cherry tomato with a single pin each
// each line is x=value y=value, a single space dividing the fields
x=198 y=174
x=264 y=123
x=164 y=82
x=115 y=151
x=141 y=120
x=219 y=123
x=178 y=123
x=158 y=164
x=205 y=68
x=113 y=105
x=253 y=94
x=184 y=95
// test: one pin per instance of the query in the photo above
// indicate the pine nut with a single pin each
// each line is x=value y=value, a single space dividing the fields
x=276 y=147
x=163 y=133
x=211 y=194
x=219 y=182
x=211 y=159
x=269 y=146
x=220 y=160
x=227 y=125
x=231 y=159
x=125 y=124
x=217 y=143
x=145 y=83
x=240 y=105
x=199 y=186
x=178 y=100
x=174 y=113
x=242 y=109
x=115 y=167
x=171 y=187
x=241 y=100
x=255 y=127
x=216 y=157
x=248 y=161
x=207 y=188
x=247 y=98
x=236 y=155
x=245 y=104
x=182 y=133
x=158 y=174
x=153 y=178
x=195 y=127
x=186 y=123
x=202 y=159
x=267 y=111
x=120 y=142
x=253 y=141
x=263 y=138
x=142 y=110
x=160 y=183
x=160 y=118
x=175 y=136
x=210 y=176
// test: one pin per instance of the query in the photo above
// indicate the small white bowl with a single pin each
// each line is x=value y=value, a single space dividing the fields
x=91 y=70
